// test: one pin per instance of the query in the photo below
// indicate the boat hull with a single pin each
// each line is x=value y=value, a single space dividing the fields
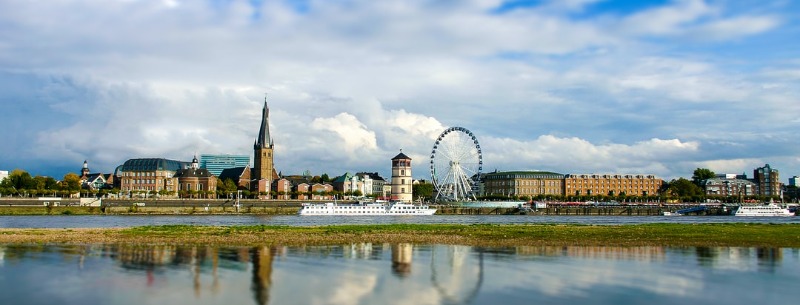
x=769 y=210
x=368 y=209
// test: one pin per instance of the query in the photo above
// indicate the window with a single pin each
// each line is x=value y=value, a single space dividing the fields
x=402 y=172
x=402 y=181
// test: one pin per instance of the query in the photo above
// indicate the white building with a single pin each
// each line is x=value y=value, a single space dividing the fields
x=401 y=178
x=3 y=175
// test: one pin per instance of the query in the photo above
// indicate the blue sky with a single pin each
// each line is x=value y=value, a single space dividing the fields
x=571 y=86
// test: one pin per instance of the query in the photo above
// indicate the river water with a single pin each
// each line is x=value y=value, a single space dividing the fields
x=390 y=273
x=395 y=274
x=103 y=221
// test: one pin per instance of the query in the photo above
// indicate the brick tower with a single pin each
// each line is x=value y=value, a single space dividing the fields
x=263 y=167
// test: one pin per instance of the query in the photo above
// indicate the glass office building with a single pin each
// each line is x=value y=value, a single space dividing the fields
x=215 y=164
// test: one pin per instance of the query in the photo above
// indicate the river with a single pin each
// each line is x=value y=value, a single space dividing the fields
x=104 y=221
x=395 y=274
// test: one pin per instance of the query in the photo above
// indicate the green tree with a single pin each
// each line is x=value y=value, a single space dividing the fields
x=424 y=190
x=685 y=190
x=701 y=174
x=324 y=178
x=19 y=179
x=71 y=182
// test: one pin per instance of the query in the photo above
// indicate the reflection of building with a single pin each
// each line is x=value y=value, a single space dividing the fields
x=262 y=274
x=595 y=252
x=401 y=259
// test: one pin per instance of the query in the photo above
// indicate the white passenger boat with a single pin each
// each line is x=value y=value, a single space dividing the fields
x=770 y=209
x=365 y=208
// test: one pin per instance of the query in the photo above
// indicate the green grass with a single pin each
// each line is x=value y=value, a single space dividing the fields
x=42 y=210
x=726 y=234
x=556 y=234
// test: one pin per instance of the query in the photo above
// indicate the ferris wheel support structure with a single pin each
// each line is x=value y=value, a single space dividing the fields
x=456 y=164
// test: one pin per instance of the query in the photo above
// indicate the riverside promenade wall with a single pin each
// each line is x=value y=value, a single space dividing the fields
x=291 y=207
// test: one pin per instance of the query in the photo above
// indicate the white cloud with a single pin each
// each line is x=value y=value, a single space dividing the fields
x=171 y=78
x=353 y=137
x=580 y=156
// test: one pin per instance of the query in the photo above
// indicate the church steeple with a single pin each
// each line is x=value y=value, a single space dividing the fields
x=264 y=140
x=263 y=166
x=85 y=169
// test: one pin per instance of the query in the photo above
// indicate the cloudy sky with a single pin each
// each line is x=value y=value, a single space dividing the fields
x=571 y=86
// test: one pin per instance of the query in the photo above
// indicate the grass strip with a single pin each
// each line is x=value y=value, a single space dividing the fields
x=725 y=234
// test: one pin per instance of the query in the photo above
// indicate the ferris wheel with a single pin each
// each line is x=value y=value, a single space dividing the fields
x=456 y=164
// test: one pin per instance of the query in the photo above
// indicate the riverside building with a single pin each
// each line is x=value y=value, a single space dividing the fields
x=215 y=164
x=149 y=175
x=401 y=178
x=611 y=184
x=767 y=181
x=522 y=183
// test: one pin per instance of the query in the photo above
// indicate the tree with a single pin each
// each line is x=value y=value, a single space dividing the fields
x=19 y=179
x=324 y=178
x=71 y=182
x=685 y=189
x=424 y=190
x=701 y=174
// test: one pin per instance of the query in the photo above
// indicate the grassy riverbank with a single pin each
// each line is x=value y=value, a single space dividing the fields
x=742 y=235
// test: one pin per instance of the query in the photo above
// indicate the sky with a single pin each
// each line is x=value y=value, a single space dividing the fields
x=568 y=86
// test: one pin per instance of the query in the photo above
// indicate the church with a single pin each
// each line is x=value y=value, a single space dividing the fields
x=263 y=172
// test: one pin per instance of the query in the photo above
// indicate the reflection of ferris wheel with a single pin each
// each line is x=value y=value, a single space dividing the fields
x=456 y=164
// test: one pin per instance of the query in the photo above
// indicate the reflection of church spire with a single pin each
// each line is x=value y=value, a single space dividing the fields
x=262 y=272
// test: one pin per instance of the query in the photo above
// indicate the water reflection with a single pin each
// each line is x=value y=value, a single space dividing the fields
x=402 y=254
x=366 y=273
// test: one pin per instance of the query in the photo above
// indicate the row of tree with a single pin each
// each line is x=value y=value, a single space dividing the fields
x=21 y=183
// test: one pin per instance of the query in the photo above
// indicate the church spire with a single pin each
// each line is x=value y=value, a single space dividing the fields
x=264 y=140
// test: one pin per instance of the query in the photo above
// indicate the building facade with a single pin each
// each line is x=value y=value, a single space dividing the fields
x=89 y=180
x=725 y=186
x=148 y=175
x=611 y=185
x=767 y=181
x=348 y=183
x=263 y=166
x=522 y=183
x=196 y=182
x=215 y=164
x=239 y=175
x=794 y=181
x=373 y=184
x=401 y=178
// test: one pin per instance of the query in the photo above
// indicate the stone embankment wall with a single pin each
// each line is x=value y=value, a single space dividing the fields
x=291 y=207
